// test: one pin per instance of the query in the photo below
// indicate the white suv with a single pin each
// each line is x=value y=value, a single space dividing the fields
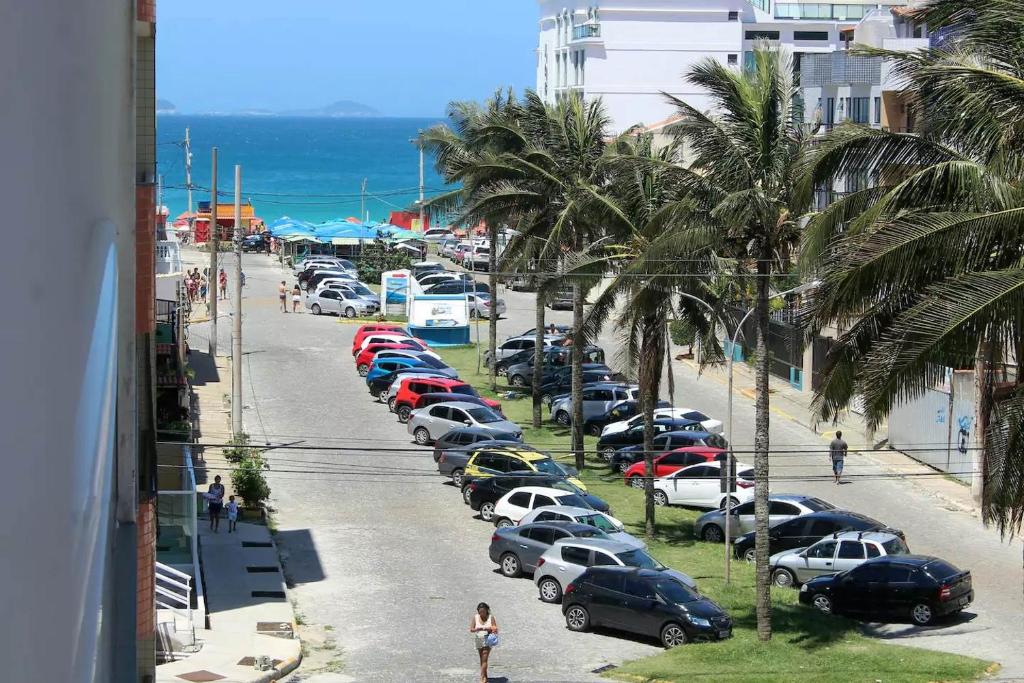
x=515 y=504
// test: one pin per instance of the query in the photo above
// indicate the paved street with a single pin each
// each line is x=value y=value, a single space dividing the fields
x=395 y=564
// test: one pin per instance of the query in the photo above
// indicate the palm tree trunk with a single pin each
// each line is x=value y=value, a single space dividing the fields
x=492 y=321
x=577 y=374
x=763 y=582
x=650 y=384
x=538 y=355
x=668 y=366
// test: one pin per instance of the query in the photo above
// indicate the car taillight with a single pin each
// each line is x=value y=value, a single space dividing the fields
x=571 y=588
x=471 y=486
x=495 y=537
x=487 y=303
x=945 y=592
x=744 y=484
x=540 y=562
x=441 y=459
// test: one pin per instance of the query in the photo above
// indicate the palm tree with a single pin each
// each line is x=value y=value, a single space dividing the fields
x=739 y=205
x=925 y=270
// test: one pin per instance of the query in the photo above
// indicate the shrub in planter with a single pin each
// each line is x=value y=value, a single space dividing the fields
x=248 y=480
x=239 y=449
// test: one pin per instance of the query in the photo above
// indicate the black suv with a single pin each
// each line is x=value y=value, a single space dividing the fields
x=645 y=602
x=893 y=586
x=458 y=287
x=482 y=494
x=806 y=530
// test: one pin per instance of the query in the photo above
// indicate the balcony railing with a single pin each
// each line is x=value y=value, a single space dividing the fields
x=819 y=10
x=839 y=68
x=584 y=31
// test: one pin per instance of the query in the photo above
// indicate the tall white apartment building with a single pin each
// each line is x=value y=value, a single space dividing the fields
x=630 y=52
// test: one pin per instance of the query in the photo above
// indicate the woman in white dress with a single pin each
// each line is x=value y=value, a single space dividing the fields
x=481 y=626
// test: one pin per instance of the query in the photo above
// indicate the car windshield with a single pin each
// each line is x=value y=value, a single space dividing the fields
x=573 y=500
x=675 y=592
x=638 y=558
x=462 y=389
x=817 y=504
x=896 y=547
x=483 y=415
x=360 y=290
x=592 y=532
x=564 y=485
x=696 y=416
x=432 y=362
x=548 y=466
x=598 y=521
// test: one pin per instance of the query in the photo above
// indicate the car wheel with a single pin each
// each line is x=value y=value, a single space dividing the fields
x=563 y=418
x=783 y=578
x=518 y=381
x=733 y=503
x=487 y=512
x=422 y=436
x=750 y=555
x=382 y=395
x=623 y=466
x=363 y=369
x=607 y=452
x=391 y=403
x=315 y=308
x=550 y=591
x=403 y=414
x=473 y=315
x=636 y=482
x=304 y=284
x=510 y=566
x=660 y=498
x=673 y=635
x=504 y=523
x=922 y=614
x=713 y=533
x=502 y=371
x=823 y=603
x=577 y=618
x=459 y=479
x=350 y=312
x=594 y=430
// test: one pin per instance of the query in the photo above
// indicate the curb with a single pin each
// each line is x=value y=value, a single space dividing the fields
x=281 y=670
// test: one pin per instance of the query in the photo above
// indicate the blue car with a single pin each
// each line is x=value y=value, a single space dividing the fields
x=384 y=366
x=691 y=435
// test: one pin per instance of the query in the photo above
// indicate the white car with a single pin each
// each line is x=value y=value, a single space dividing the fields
x=700 y=486
x=339 y=302
x=436 y=234
x=600 y=520
x=300 y=266
x=383 y=338
x=710 y=426
x=482 y=305
x=514 y=505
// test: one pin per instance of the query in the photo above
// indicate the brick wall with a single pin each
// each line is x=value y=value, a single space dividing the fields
x=145 y=608
x=145 y=10
x=145 y=258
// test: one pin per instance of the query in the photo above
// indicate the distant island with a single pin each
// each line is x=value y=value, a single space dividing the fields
x=340 y=108
x=165 y=107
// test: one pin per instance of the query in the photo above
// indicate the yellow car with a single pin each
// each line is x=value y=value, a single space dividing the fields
x=490 y=462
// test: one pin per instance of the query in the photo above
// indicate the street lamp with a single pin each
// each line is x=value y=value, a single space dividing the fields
x=729 y=436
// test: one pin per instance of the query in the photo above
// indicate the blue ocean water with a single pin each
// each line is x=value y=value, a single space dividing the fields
x=306 y=168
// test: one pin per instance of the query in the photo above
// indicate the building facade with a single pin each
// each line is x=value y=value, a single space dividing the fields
x=631 y=53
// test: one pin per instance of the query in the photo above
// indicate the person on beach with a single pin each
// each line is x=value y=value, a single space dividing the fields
x=282 y=294
x=223 y=279
x=484 y=628
x=296 y=298
x=232 y=508
x=837 y=451
x=215 y=496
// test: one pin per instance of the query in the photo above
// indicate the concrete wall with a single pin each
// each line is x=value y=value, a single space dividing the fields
x=67 y=189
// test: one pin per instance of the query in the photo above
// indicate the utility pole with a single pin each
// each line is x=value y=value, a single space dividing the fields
x=236 y=332
x=214 y=243
x=188 y=184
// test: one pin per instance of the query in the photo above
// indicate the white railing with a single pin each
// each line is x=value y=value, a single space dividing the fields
x=168 y=257
x=905 y=44
x=173 y=590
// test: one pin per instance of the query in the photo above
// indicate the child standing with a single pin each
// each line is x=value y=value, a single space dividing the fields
x=232 y=507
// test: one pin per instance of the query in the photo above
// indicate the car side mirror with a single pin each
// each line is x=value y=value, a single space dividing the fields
x=467 y=422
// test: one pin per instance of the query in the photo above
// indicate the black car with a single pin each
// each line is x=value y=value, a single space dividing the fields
x=622 y=459
x=554 y=358
x=482 y=494
x=645 y=602
x=806 y=530
x=595 y=424
x=254 y=243
x=920 y=587
x=560 y=380
x=379 y=387
x=467 y=436
x=609 y=443
x=458 y=287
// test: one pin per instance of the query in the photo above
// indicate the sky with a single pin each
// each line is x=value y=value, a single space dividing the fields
x=402 y=57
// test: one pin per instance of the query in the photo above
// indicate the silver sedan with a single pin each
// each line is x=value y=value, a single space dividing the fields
x=781 y=507
x=430 y=423
x=483 y=306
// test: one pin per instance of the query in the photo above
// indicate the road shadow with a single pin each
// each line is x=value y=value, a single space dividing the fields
x=205 y=367
x=905 y=628
x=299 y=557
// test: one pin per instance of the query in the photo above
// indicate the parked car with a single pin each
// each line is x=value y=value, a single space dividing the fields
x=782 y=507
x=423 y=267
x=436 y=234
x=620 y=412
x=516 y=550
x=564 y=562
x=310 y=261
x=446 y=247
x=483 y=494
x=430 y=279
x=673 y=461
x=918 y=587
x=460 y=252
x=430 y=423
x=462 y=438
x=483 y=306
x=602 y=520
x=364 y=331
x=309 y=281
x=495 y=462
x=514 y=505
x=254 y=243
x=458 y=287
x=367 y=355
x=514 y=345
x=807 y=530
x=358 y=289
x=452 y=460
x=551 y=357
x=597 y=399
x=710 y=425
x=384 y=337
x=608 y=444
x=644 y=602
x=700 y=486
x=339 y=302
x=477 y=259
x=624 y=458
x=381 y=387
x=410 y=390
x=830 y=555
x=562 y=300
x=431 y=398
x=563 y=330
x=384 y=366
x=561 y=380
x=521 y=283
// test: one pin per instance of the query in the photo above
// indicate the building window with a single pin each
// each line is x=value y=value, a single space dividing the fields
x=762 y=35
x=878 y=111
x=733 y=60
x=734 y=16
x=810 y=35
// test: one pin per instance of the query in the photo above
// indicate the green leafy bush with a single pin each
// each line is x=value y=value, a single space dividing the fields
x=239 y=449
x=378 y=257
x=682 y=332
x=248 y=479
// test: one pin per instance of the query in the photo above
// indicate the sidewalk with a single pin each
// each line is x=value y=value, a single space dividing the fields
x=791 y=404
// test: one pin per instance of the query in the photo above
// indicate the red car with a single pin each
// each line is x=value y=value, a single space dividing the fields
x=667 y=463
x=412 y=388
x=365 y=330
x=365 y=357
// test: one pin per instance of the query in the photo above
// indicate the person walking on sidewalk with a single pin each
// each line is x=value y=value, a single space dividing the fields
x=485 y=632
x=223 y=279
x=837 y=451
x=215 y=495
x=282 y=294
x=232 y=508
x=296 y=298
